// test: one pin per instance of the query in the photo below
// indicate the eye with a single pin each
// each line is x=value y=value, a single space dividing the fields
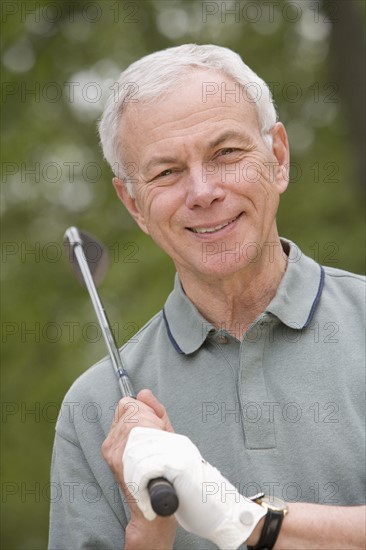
x=163 y=174
x=227 y=151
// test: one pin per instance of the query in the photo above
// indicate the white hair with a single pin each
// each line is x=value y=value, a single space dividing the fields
x=159 y=72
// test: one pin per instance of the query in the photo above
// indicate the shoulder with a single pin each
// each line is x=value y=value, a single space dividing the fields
x=96 y=391
x=87 y=404
x=100 y=378
x=344 y=295
x=92 y=383
x=343 y=276
x=345 y=282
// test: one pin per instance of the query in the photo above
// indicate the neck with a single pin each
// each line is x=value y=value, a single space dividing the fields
x=233 y=303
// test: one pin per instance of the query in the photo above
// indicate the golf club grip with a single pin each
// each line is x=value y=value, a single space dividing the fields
x=164 y=500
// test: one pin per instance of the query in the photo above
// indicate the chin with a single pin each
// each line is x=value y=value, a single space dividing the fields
x=222 y=269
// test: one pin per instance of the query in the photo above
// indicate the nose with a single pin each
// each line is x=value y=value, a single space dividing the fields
x=203 y=187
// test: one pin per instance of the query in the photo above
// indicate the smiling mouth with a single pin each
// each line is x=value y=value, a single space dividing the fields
x=212 y=229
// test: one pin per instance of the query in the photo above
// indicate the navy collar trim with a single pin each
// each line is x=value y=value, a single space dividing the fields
x=294 y=304
x=170 y=335
x=317 y=297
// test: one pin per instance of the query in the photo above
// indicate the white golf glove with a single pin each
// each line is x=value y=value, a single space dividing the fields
x=209 y=505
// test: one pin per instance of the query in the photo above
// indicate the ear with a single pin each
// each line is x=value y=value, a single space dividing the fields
x=130 y=203
x=281 y=151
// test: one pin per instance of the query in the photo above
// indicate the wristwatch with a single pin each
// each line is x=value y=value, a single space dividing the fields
x=276 y=511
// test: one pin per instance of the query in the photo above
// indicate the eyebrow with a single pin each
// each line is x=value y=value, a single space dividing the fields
x=158 y=160
x=229 y=134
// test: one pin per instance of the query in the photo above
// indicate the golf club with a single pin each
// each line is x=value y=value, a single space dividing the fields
x=89 y=260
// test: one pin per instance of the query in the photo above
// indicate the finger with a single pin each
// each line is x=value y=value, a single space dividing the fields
x=147 y=397
x=127 y=409
x=144 y=416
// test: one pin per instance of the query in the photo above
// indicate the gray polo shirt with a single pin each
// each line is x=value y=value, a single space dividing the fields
x=281 y=411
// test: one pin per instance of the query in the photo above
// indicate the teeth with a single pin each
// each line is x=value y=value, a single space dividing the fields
x=211 y=229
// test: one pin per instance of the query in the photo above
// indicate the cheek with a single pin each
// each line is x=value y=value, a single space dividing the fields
x=258 y=173
x=165 y=204
x=247 y=173
x=153 y=212
x=258 y=186
x=145 y=200
x=252 y=173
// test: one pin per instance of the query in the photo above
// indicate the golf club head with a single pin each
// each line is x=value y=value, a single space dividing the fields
x=95 y=254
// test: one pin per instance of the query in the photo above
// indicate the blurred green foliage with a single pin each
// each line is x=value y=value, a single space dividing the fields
x=59 y=59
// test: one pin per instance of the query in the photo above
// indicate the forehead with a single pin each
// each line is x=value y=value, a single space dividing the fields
x=198 y=105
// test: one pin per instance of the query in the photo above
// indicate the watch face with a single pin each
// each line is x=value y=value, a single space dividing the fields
x=274 y=503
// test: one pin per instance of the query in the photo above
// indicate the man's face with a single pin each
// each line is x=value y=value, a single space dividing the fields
x=206 y=184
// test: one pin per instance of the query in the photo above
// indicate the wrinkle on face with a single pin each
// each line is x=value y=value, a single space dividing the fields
x=179 y=128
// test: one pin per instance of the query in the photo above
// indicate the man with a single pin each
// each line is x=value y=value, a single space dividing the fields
x=257 y=354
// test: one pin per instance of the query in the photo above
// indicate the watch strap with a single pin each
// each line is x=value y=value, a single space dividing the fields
x=270 y=531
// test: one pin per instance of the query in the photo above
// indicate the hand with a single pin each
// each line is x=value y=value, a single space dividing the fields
x=209 y=505
x=145 y=411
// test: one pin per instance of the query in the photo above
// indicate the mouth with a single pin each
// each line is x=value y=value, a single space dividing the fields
x=213 y=229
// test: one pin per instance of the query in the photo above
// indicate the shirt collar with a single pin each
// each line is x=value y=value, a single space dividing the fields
x=187 y=328
x=299 y=292
x=295 y=302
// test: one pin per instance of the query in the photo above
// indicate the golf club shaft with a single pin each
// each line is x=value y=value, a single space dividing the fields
x=163 y=497
x=122 y=375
